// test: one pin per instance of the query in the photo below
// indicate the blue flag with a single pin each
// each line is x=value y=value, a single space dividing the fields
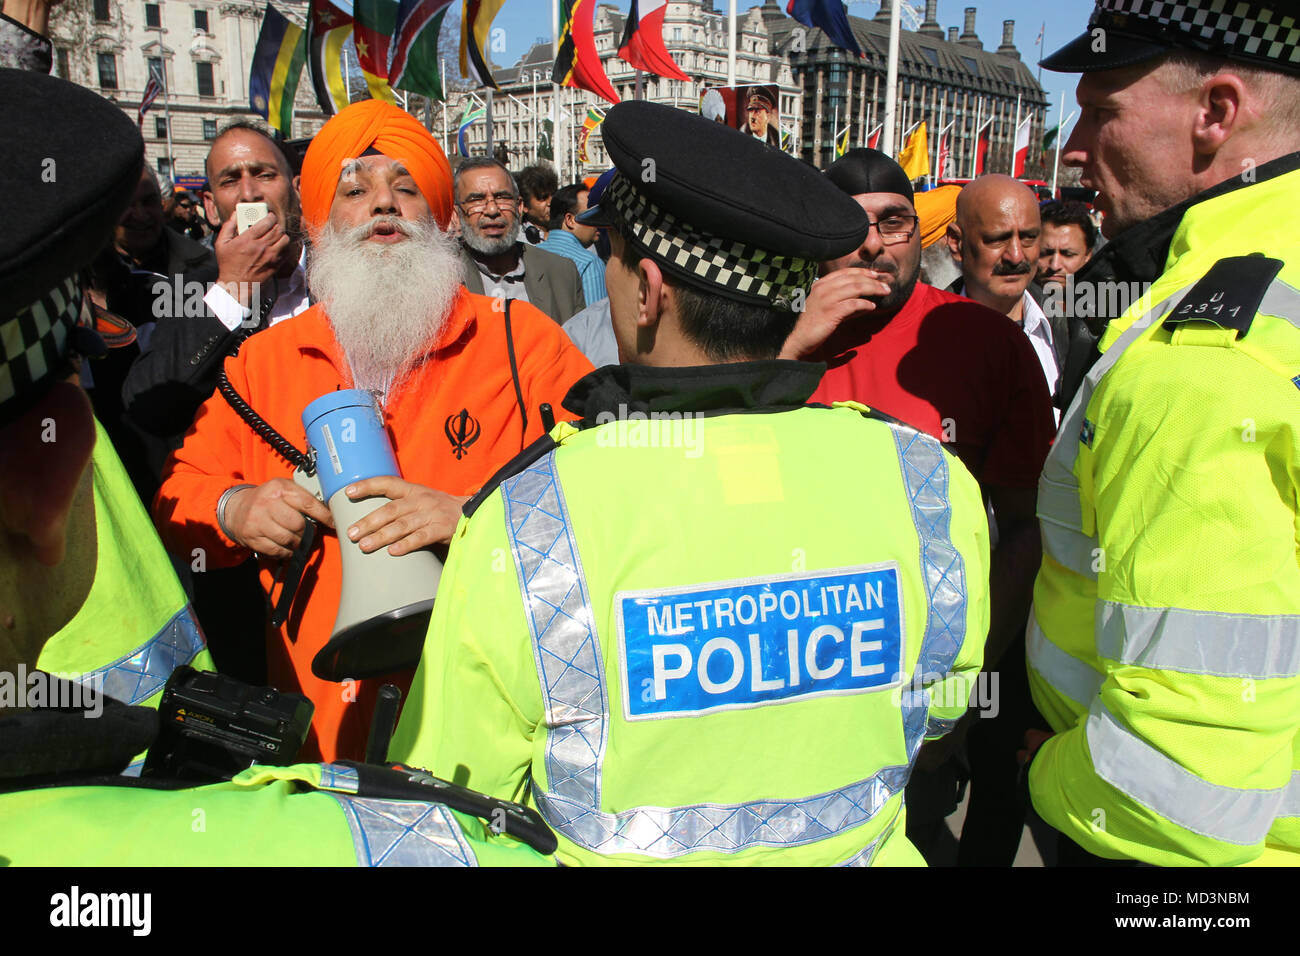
x=830 y=17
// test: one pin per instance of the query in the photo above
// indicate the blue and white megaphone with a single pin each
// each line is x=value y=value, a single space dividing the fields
x=385 y=601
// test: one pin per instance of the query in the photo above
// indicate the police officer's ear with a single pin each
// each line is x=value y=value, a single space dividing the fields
x=650 y=294
x=1219 y=111
x=953 y=238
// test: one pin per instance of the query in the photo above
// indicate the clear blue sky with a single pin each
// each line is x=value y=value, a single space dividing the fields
x=525 y=21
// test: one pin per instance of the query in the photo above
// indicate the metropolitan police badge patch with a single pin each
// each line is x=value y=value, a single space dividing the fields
x=733 y=645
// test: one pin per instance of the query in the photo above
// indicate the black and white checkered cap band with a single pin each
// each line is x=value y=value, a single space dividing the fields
x=1225 y=27
x=34 y=344
x=725 y=267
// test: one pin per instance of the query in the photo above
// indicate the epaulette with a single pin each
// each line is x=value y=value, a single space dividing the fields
x=1228 y=296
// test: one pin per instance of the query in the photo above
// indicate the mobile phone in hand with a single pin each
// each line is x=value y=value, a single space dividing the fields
x=248 y=213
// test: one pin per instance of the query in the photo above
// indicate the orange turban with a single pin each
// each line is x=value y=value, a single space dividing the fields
x=395 y=133
x=937 y=209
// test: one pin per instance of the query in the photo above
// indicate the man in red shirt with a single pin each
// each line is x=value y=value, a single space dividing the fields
x=964 y=374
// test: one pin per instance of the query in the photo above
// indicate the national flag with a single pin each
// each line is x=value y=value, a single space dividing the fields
x=475 y=27
x=414 y=66
x=943 y=157
x=1048 y=139
x=829 y=16
x=842 y=143
x=915 y=157
x=153 y=89
x=469 y=118
x=277 y=66
x=982 y=149
x=787 y=138
x=578 y=62
x=373 y=24
x=873 y=138
x=643 y=40
x=1041 y=31
x=329 y=27
x=594 y=119
x=1022 y=147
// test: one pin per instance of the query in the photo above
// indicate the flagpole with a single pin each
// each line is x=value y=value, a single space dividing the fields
x=442 y=67
x=557 y=141
x=536 y=155
x=835 y=134
x=1056 y=163
x=1042 y=38
x=731 y=46
x=637 y=94
x=975 y=150
x=891 y=80
x=167 y=112
x=490 y=124
x=1015 y=136
x=943 y=112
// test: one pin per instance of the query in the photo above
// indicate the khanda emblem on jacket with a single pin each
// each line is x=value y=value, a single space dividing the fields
x=462 y=430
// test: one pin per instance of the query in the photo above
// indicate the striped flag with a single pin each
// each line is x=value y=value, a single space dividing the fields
x=277 y=66
x=414 y=66
x=643 y=40
x=329 y=27
x=373 y=24
x=842 y=143
x=152 y=91
x=475 y=26
x=578 y=62
x=594 y=119
x=468 y=119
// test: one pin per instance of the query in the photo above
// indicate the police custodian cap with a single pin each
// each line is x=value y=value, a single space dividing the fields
x=719 y=210
x=1126 y=32
x=71 y=161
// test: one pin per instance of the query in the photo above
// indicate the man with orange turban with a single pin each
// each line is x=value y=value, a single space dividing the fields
x=459 y=379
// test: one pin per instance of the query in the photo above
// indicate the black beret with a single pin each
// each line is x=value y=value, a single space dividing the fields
x=71 y=160
x=758 y=215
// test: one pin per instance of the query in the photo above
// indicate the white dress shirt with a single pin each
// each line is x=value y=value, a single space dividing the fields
x=290 y=299
x=1039 y=331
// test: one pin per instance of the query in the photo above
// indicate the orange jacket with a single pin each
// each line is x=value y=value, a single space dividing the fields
x=278 y=372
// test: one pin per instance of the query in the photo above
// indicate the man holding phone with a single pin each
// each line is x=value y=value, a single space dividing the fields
x=260 y=266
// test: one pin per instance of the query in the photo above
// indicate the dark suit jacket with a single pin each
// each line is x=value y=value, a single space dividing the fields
x=552 y=282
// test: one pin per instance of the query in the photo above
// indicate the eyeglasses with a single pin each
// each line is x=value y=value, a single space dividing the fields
x=507 y=202
x=894 y=229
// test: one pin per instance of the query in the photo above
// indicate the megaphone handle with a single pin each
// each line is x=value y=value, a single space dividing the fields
x=383 y=725
x=292 y=574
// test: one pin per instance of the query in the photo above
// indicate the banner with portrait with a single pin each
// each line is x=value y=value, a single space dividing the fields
x=752 y=109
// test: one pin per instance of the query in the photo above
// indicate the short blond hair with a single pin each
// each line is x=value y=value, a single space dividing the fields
x=1184 y=70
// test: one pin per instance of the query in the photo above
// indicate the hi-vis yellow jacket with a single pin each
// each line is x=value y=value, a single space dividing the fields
x=719 y=655
x=136 y=625
x=1164 y=643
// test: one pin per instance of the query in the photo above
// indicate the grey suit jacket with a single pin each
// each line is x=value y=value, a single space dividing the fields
x=552 y=282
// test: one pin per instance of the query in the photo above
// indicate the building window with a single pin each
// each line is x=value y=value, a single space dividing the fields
x=61 y=63
x=164 y=166
x=153 y=16
x=155 y=67
x=107 y=71
x=204 y=73
x=201 y=20
x=160 y=127
x=677 y=34
x=101 y=11
x=209 y=129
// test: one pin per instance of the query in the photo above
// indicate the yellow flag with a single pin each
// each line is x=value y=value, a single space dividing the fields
x=915 y=157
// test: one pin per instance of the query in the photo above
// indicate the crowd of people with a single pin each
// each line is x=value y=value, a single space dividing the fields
x=854 y=505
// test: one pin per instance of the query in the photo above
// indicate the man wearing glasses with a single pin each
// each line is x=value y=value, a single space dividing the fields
x=966 y=375
x=496 y=262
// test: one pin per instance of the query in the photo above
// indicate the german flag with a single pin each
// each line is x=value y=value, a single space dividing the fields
x=277 y=67
x=578 y=62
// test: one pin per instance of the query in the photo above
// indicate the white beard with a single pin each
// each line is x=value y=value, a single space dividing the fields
x=386 y=303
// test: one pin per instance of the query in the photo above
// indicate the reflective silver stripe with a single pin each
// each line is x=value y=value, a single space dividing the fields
x=339 y=778
x=1066 y=674
x=565 y=647
x=1059 y=509
x=1200 y=642
x=938 y=726
x=1291 y=798
x=571 y=672
x=142 y=673
x=404 y=833
x=1282 y=300
x=1146 y=775
x=864 y=856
